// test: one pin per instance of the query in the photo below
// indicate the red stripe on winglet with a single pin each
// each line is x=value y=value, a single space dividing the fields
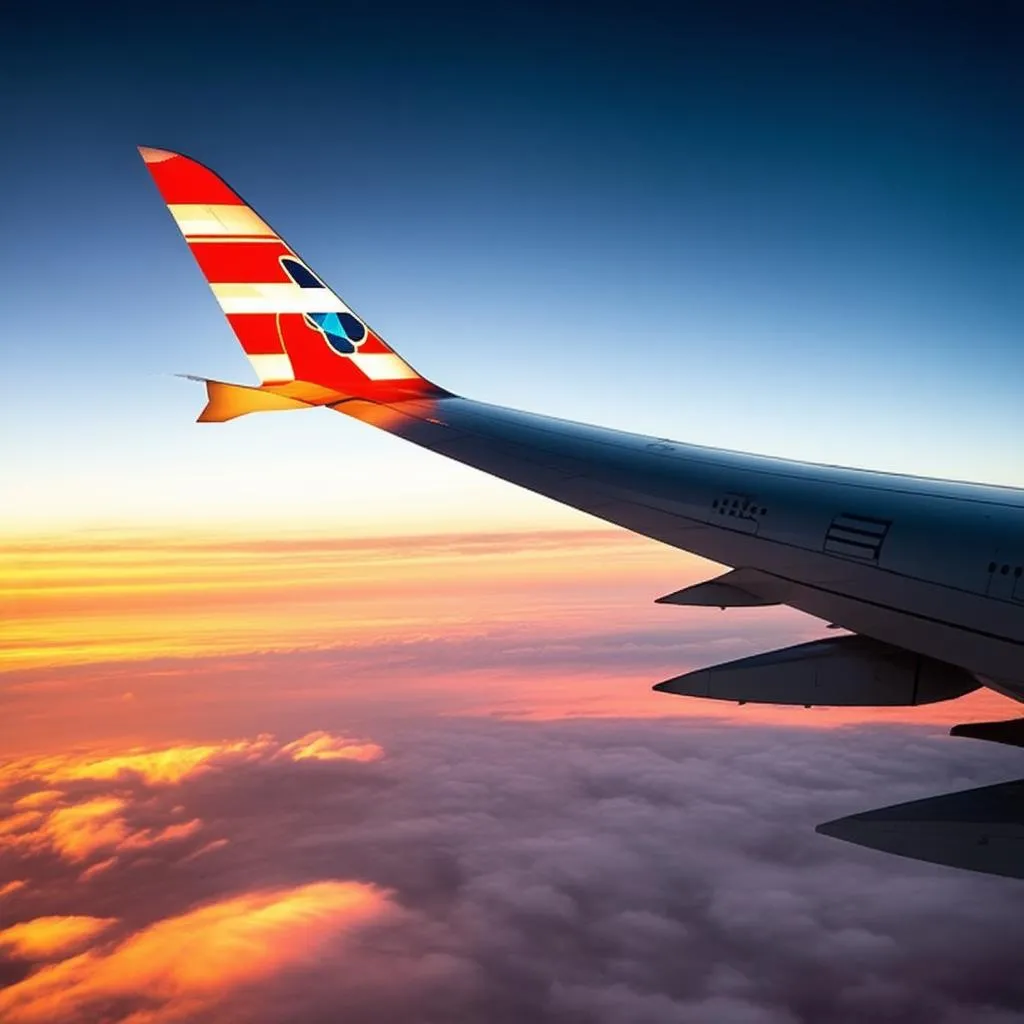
x=257 y=333
x=181 y=180
x=242 y=262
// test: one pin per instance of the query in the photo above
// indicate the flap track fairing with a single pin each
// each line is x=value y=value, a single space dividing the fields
x=847 y=671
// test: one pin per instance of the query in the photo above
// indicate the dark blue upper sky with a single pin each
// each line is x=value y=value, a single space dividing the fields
x=788 y=228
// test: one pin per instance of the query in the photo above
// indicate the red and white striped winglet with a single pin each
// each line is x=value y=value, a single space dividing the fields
x=290 y=324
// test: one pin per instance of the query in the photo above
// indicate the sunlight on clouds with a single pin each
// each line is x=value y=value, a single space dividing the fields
x=22 y=822
x=141 y=596
x=184 y=965
x=97 y=869
x=40 y=798
x=165 y=765
x=78 y=831
x=155 y=766
x=151 y=837
x=101 y=825
x=145 y=638
x=322 y=746
x=43 y=938
x=13 y=886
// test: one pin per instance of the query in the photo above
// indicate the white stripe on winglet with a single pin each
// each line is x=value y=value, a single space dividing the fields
x=276 y=298
x=383 y=366
x=219 y=219
x=272 y=369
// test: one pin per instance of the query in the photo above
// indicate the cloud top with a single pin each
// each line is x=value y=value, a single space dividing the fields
x=611 y=871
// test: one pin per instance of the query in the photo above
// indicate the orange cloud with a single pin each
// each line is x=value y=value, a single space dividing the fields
x=40 y=798
x=144 y=596
x=97 y=869
x=78 y=831
x=99 y=826
x=152 y=837
x=155 y=766
x=13 y=886
x=163 y=766
x=43 y=938
x=322 y=746
x=20 y=822
x=183 y=966
x=546 y=624
x=166 y=765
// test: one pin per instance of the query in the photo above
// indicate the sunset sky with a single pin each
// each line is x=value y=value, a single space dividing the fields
x=299 y=722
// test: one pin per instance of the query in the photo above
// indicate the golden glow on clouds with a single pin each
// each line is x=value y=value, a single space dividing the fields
x=98 y=828
x=12 y=886
x=156 y=630
x=166 y=765
x=40 y=798
x=132 y=597
x=169 y=765
x=145 y=637
x=183 y=966
x=322 y=746
x=83 y=829
x=19 y=822
x=43 y=938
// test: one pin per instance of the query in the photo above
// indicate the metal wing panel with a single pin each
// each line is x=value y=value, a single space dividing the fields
x=976 y=829
x=668 y=492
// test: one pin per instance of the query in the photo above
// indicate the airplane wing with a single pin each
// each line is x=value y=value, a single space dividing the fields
x=928 y=574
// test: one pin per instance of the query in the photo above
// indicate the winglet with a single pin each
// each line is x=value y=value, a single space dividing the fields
x=293 y=328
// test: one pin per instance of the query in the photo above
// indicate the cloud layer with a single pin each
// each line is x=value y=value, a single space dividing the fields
x=609 y=871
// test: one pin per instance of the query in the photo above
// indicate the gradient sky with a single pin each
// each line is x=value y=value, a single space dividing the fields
x=796 y=232
x=298 y=722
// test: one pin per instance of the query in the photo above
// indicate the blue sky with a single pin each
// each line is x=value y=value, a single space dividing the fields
x=797 y=232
